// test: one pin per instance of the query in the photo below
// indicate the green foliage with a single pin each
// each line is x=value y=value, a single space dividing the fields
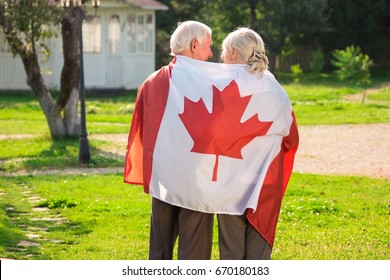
x=327 y=24
x=361 y=23
x=296 y=71
x=317 y=61
x=59 y=203
x=351 y=63
x=26 y=25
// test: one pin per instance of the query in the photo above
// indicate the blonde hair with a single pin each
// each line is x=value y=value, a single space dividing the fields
x=184 y=34
x=250 y=48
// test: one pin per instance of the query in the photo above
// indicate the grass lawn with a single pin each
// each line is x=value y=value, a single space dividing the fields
x=322 y=218
x=322 y=101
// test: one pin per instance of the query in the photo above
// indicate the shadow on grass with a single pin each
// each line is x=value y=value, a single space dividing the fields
x=23 y=234
x=57 y=154
x=10 y=234
x=13 y=240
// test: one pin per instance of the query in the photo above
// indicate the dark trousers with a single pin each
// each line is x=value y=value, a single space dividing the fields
x=194 y=229
x=239 y=240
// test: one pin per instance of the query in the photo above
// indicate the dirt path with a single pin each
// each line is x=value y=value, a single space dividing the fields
x=345 y=150
x=331 y=149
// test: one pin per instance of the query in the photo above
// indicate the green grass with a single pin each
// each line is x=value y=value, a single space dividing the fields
x=325 y=217
x=21 y=114
x=332 y=113
x=320 y=99
x=383 y=94
x=322 y=218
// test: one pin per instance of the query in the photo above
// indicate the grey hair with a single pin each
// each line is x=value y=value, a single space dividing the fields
x=250 y=48
x=186 y=31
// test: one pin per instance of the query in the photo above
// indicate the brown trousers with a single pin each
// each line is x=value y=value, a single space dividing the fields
x=194 y=229
x=238 y=239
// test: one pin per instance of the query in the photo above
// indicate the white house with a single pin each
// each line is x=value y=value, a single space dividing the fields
x=119 y=49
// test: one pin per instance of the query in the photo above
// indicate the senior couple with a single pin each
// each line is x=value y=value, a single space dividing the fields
x=212 y=138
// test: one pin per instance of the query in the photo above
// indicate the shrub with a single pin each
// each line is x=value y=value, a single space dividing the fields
x=351 y=63
x=317 y=61
x=296 y=71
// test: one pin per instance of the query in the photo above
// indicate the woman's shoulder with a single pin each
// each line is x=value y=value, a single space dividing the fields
x=269 y=75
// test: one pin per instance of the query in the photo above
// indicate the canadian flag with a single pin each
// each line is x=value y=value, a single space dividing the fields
x=213 y=138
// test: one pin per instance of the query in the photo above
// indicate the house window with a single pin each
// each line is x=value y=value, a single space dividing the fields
x=149 y=33
x=114 y=34
x=140 y=33
x=131 y=33
x=92 y=33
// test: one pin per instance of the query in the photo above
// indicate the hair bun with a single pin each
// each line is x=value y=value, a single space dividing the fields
x=258 y=56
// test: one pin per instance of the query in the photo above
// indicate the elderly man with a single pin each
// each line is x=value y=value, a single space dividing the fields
x=168 y=222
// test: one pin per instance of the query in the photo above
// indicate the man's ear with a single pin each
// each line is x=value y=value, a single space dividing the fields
x=194 y=43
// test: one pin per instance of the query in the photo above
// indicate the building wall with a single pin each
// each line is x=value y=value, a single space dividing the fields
x=111 y=59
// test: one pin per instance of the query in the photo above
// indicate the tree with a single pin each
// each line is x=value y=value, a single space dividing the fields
x=285 y=25
x=361 y=23
x=351 y=63
x=281 y=23
x=27 y=25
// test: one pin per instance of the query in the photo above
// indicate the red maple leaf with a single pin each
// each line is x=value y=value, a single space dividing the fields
x=221 y=131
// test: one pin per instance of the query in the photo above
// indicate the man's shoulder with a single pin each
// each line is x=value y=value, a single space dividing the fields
x=162 y=73
x=156 y=81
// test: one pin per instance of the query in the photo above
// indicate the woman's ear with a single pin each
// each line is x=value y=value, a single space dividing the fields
x=234 y=55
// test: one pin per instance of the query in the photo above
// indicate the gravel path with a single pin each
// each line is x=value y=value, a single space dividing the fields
x=345 y=150
x=332 y=149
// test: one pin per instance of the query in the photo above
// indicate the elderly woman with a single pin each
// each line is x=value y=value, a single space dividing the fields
x=251 y=235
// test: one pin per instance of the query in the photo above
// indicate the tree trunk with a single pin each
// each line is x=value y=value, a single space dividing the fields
x=364 y=95
x=253 y=23
x=272 y=61
x=71 y=114
x=35 y=80
x=70 y=78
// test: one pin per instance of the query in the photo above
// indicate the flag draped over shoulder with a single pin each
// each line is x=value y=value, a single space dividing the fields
x=213 y=138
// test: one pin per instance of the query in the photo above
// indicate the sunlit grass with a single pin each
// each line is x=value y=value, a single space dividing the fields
x=329 y=217
x=383 y=94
